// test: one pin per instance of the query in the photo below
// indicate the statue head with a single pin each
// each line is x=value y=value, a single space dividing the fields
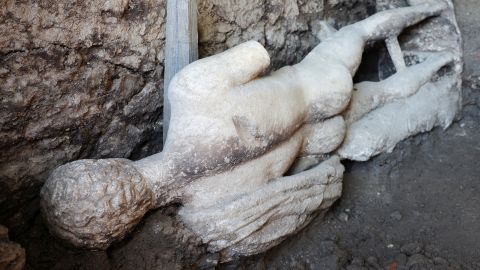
x=91 y=203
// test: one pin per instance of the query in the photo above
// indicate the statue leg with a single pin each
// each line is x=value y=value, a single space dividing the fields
x=371 y=95
x=435 y=104
x=325 y=74
x=392 y=22
x=253 y=222
x=347 y=44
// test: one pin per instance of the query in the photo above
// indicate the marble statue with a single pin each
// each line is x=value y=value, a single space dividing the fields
x=239 y=150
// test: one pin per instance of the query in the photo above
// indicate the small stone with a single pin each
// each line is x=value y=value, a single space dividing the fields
x=396 y=216
x=440 y=261
x=431 y=251
x=411 y=248
x=343 y=217
x=372 y=261
x=418 y=261
x=393 y=265
x=3 y=233
x=401 y=259
x=358 y=261
x=12 y=255
x=455 y=265
x=356 y=267
x=209 y=261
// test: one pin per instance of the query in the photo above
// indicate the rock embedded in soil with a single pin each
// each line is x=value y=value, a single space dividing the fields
x=12 y=255
x=396 y=216
x=411 y=248
x=419 y=262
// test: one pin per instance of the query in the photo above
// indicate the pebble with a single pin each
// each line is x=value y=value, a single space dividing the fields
x=343 y=217
x=372 y=261
x=439 y=261
x=356 y=267
x=3 y=233
x=401 y=259
x=396 y=216
x=418 y=261
x=411 y=248
x=358 y=261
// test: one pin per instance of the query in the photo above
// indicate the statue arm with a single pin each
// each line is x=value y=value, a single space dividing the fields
x=371 y=95
x=254 y=222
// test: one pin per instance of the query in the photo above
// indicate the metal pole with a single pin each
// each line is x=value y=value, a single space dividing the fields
x=181 y=46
